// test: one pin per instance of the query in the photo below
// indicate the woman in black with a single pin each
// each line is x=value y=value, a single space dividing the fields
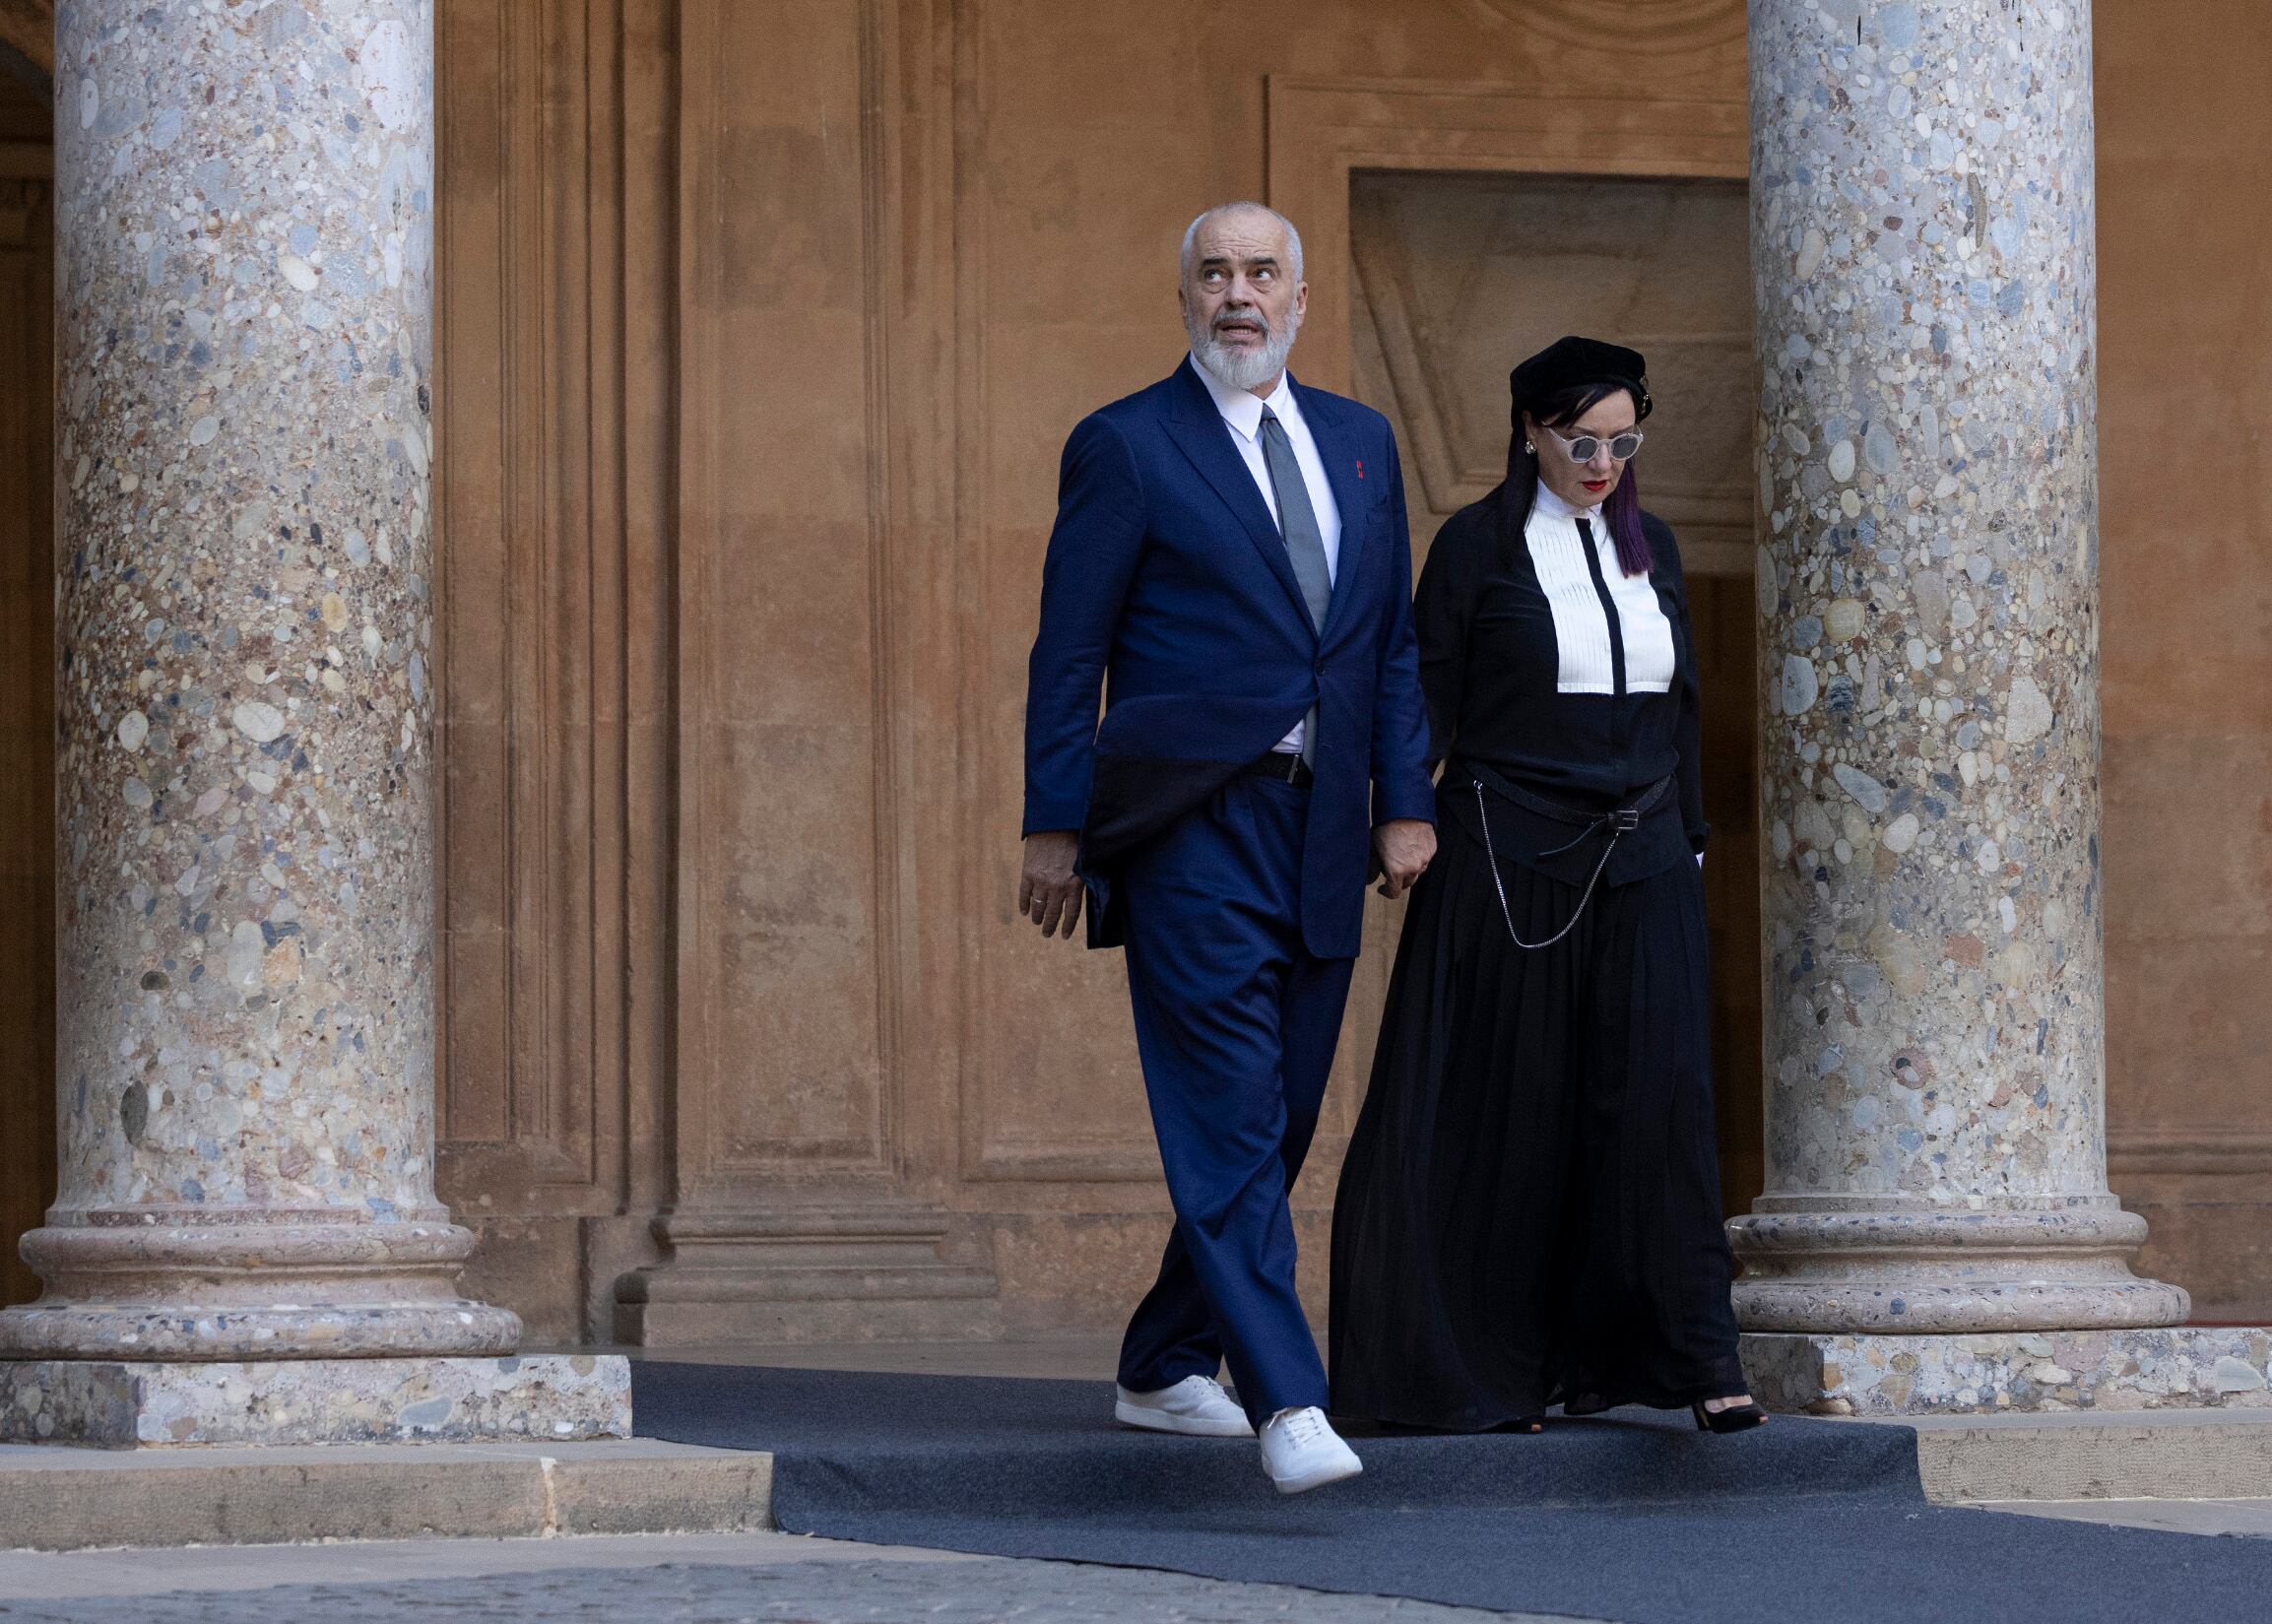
x=1530 y=1210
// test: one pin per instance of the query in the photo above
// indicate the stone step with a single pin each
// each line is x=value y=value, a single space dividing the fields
x=72 y=1499
x=2154 y=1454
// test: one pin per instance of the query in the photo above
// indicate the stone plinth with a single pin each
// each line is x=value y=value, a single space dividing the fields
x=1922 y=236
x=70 y=1499
x=114 y=1405
x=245 y=970
x=2182 y=1367
x=888 y=1273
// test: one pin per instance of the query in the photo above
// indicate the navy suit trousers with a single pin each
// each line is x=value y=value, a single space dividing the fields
x=1236 y=1024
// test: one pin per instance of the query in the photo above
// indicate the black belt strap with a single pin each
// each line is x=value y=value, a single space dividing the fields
x=1285 y=766
x=1624 y=819
x=1618 y=821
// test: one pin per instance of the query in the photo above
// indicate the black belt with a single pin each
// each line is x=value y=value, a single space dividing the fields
x=1587 y=819
x=1285 y=766
x=1616 y=821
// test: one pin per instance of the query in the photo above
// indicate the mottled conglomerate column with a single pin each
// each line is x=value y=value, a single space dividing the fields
x=1924 y=248
x=246 y=1057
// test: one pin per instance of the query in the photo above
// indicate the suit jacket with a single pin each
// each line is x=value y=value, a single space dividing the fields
x=1168 y=582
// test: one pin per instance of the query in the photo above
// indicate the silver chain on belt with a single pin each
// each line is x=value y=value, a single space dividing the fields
x=1617 y=827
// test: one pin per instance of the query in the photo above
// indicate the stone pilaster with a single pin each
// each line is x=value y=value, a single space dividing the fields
x=246 y=1057
x=1923 y=250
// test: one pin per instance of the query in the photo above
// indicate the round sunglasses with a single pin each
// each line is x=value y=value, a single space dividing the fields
x=1583 y=448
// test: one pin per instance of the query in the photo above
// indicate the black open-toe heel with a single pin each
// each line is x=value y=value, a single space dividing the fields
x=1735 y=1418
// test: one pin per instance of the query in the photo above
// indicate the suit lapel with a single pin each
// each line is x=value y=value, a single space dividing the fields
x=1202 y=437
x=1352 y=498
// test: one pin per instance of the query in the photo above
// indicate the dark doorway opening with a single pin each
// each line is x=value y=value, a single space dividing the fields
x=28 y=1153
x=1459 y=275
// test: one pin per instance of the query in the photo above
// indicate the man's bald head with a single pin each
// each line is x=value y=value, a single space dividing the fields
x=1251 y=215
x=1241 y=293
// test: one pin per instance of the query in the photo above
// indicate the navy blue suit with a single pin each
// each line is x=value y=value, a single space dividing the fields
x=1240 y=899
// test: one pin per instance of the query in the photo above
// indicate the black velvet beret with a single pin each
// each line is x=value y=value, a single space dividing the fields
x=1569 y=363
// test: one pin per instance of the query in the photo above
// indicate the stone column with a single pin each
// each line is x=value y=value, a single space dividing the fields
x=245 y=981
x=1922 y=235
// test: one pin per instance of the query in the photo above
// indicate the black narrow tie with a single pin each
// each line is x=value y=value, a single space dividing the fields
x=1608 y=608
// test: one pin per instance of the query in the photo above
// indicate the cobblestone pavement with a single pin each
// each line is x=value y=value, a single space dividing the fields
x=985 y=1591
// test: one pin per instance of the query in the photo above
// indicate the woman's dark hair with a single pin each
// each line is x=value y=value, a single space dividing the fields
x=1559 y=408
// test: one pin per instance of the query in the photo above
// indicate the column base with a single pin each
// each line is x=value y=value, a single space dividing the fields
x=115 y=1404
x=1918 y=1272
x=265 y=1285
x=1870 y=1373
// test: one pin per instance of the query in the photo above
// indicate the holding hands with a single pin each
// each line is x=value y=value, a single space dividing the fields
x=1050 y=894
x=1402 y=850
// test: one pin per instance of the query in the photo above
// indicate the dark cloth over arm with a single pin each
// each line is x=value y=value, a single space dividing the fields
x=1401 y=755
x=1093 y=551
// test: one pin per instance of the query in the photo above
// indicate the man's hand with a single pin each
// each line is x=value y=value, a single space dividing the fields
x=1401 y=849
x=1049 y=892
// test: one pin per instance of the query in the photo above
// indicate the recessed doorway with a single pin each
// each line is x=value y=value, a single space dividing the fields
x=1459 y=275
x=26 y=664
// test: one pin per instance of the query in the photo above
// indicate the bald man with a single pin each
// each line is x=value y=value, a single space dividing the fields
x=1230 y=563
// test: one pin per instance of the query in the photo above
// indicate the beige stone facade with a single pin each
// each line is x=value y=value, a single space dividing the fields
x=758 y=329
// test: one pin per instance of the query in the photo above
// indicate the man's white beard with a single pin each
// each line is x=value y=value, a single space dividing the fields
x=1240 y=368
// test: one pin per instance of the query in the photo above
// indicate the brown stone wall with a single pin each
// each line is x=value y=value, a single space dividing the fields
x=760 y=324
x=2185 y=443
x=920 y=244
x=905 y=245
x=936 y=237
x=556 y=310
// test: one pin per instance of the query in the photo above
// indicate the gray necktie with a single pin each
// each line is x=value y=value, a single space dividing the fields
x=1305 y=543
x=1297 y=520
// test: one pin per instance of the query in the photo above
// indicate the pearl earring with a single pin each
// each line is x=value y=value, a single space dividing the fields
x=1528 y=446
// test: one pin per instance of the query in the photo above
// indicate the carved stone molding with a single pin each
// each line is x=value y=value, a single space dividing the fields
x=881 y=1269
x=1653 y=27
x=1459 y=275
x=2230 y=1153
x=531 y=598
x=1322 y=132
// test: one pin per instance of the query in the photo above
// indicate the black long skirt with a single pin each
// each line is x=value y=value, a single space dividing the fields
x=1529 y=1209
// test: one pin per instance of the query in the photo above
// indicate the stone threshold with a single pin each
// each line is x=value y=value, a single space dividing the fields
x=2159 y=1454
x=60 y=1498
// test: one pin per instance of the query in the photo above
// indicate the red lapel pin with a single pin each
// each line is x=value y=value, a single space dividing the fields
x=1360 y=468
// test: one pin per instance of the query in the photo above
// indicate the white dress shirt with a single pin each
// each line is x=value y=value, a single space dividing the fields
x=1242 y=411
x=1581 y=617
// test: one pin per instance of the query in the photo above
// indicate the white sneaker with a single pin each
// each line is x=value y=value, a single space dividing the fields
x=1197 y=1406
x=1302 y=1450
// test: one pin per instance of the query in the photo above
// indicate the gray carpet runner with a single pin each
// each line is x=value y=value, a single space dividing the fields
x=1633 y=1516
